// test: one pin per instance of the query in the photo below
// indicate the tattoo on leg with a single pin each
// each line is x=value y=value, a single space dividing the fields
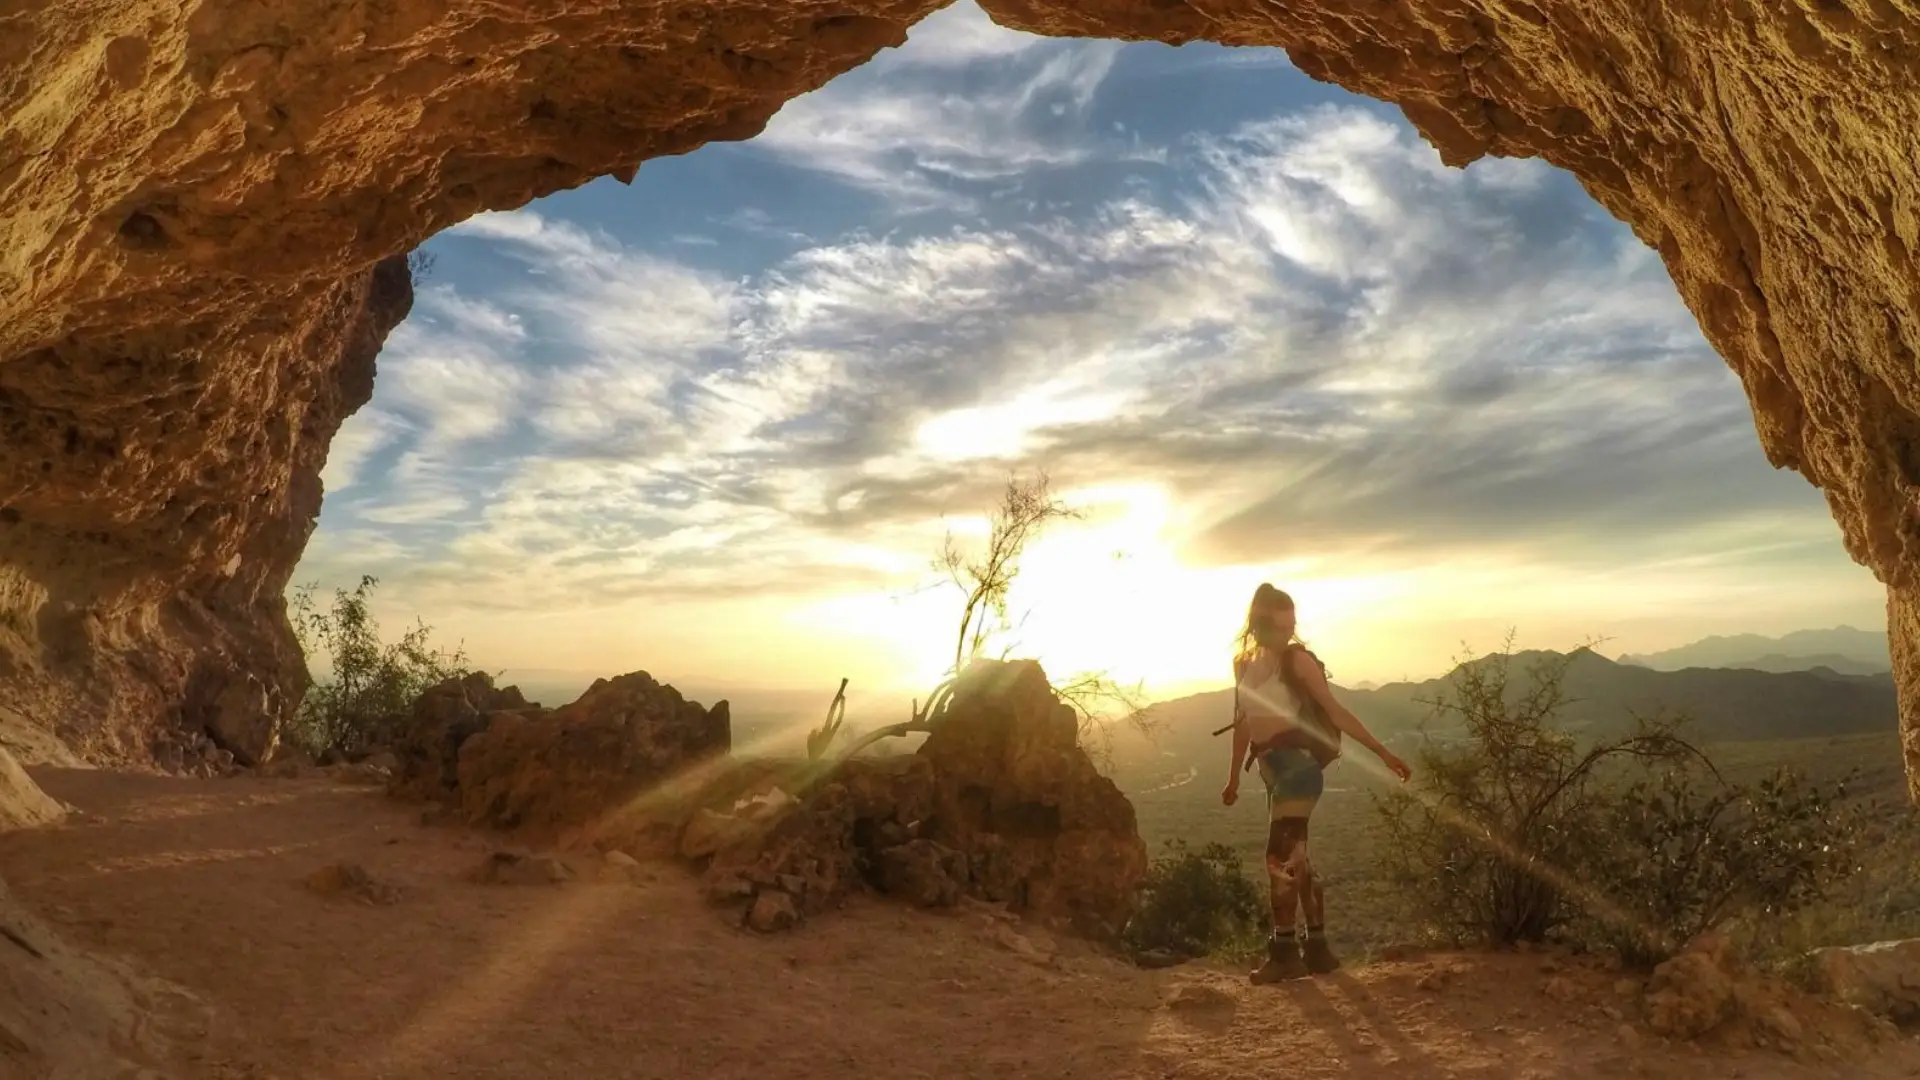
x=1287 y=869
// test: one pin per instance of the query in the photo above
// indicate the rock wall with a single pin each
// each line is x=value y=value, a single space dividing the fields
x=196 y=196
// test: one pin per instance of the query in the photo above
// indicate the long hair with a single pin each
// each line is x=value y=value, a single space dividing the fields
x=1258 y=634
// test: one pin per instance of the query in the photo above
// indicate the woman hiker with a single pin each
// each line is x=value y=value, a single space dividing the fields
x=1286 y=720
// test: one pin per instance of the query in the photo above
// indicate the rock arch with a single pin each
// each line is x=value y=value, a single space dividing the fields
x=202 y=203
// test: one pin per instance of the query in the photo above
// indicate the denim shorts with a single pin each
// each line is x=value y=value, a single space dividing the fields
x=1294 y=782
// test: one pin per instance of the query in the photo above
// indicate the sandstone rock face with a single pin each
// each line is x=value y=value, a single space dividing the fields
x=196 y=202
x=22 y=804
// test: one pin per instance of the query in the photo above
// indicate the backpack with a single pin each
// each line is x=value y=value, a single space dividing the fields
x=1323 y=740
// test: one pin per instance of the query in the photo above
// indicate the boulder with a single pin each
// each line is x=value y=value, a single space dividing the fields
x=427 y=752
x=1882 y=978
x=1000 y=803
x=1013 y=790
x=624 y=747
x=1692 y=993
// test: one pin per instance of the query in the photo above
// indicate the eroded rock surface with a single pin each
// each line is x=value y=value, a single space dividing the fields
x=1882 y=978
x=427 y=755
x=198 y=199
x=614 y=753
x=625 y=740
x=22 y=804
x=999 y=803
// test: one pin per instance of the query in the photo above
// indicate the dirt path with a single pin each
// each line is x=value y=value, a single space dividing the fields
x=200 y=882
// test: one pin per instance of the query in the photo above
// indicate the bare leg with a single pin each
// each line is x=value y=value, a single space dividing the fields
x=1315 y=949
x=1287 y=875
x=1313 y=899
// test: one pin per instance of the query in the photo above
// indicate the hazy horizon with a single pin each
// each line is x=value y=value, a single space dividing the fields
x=713 y=425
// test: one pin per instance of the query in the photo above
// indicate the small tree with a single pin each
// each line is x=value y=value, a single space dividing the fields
x=1490 y=837
x=373 y=684
x=1026 y=506
x=1194 y=903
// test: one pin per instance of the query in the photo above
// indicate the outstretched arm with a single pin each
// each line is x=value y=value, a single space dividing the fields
x=1307 y=669
x=1232 y=791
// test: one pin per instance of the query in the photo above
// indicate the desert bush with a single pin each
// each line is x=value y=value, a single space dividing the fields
x=1195 y=903
x=1684 y=852
x=1515 y=830
x=1484 y=840
x=373 y=684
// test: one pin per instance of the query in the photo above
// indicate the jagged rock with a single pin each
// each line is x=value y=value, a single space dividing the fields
x=924 y=873
x=1882 y=978
x=22 y=804
x=622 y=748
x=1692 y=993
x=427 y=752
x=999 y=803
x=1016 y=793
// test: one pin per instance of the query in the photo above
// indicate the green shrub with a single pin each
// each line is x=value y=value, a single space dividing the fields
x=1488 y=839
x=373 y=684
x=1515 y=830
x=1195 y=903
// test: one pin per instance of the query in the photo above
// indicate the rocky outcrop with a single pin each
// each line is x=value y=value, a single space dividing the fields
x=1042 y=829
x=427 y=754
x=999 y=803
x=620 y=747
x=1882 y=978
x=198 y=200
x=1707 y=993
x=615 y=753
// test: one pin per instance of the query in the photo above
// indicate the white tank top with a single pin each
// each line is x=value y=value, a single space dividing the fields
x=1269 y=705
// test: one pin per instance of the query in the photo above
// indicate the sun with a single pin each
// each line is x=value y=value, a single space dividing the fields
x=1107 y=593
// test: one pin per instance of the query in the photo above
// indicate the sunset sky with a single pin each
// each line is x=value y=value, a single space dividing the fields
x=714 y=425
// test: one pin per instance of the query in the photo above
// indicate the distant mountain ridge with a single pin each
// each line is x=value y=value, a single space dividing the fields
x=1725 y=704
x=1844 y=649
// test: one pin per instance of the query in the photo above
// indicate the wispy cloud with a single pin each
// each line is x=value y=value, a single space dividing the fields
x=921 y=128
x=1315 y=339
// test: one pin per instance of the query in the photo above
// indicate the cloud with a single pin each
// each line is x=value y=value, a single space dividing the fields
x=922 y=128
x=1319 y=341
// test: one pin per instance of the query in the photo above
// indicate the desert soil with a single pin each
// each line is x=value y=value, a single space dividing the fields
x=616 y=975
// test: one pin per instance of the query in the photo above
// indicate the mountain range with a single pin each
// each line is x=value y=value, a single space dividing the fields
x=1603 y=696
x=1844 y=649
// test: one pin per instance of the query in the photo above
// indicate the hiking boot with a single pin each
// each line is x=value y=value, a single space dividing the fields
x=1283 y=963
x=1318 y=956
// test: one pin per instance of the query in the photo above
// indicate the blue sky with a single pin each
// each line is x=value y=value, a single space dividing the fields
x=716 y=422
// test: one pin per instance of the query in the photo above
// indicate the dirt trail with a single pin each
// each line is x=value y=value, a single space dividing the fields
x=200 y=882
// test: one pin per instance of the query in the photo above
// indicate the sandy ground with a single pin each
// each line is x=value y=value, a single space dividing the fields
x=201 y=883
